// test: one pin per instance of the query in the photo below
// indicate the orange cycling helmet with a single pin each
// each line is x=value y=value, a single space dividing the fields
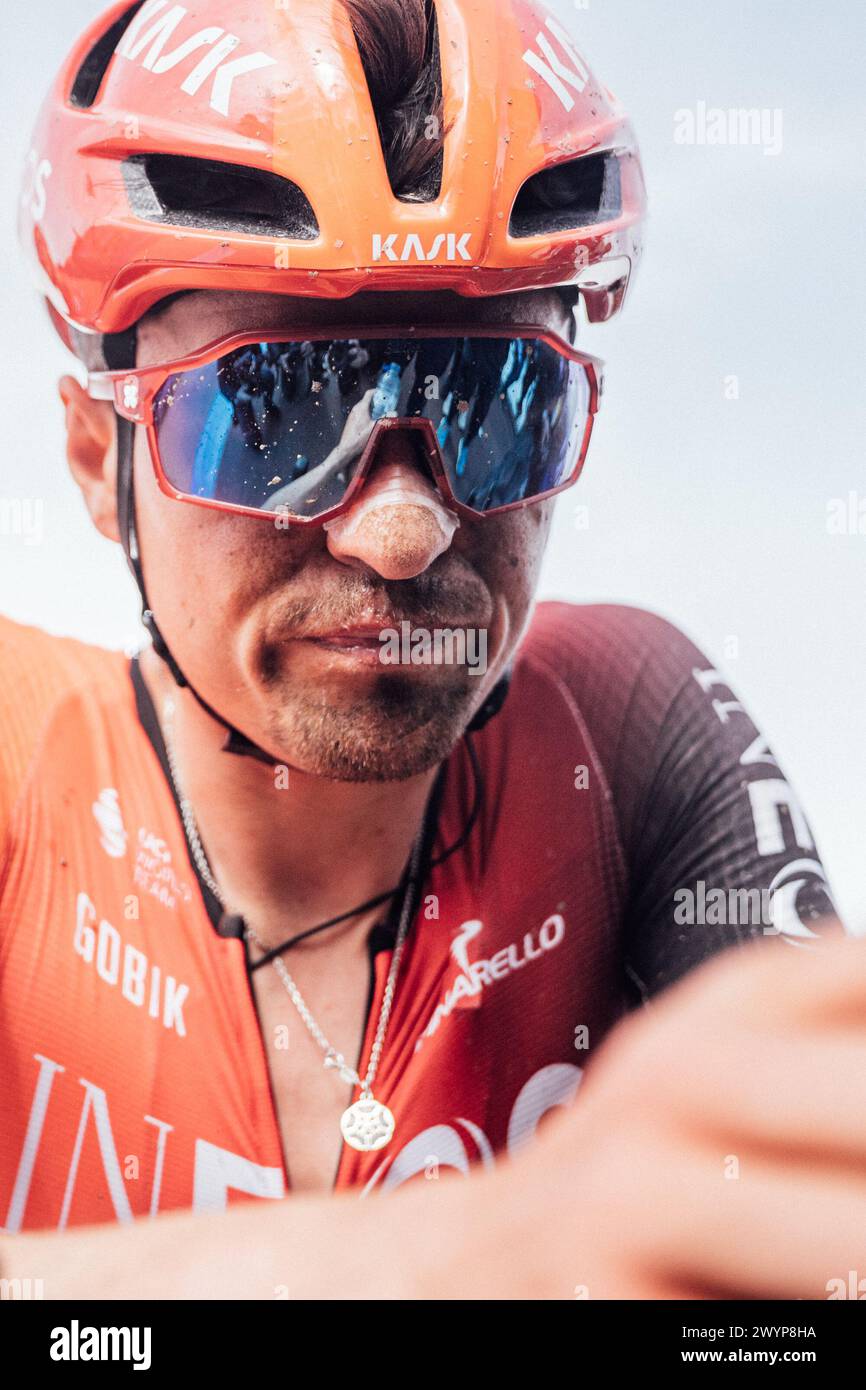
x=541 y=181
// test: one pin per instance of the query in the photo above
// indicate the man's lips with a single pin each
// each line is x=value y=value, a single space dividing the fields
x=364 y=641
x=361 y=640
x=348 y=638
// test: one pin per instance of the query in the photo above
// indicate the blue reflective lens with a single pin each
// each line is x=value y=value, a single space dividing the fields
x=284 y=425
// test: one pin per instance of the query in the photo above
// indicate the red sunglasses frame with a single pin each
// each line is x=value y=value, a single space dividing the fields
x=133 y=393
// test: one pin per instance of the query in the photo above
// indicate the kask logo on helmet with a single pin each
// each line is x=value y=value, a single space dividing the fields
x=550 y=67
x=140 y=39
x=385 y=247
x=34 y=195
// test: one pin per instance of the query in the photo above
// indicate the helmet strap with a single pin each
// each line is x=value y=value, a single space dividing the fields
x=236 y=741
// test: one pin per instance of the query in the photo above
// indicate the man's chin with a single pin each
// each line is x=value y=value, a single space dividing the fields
x=399 y=732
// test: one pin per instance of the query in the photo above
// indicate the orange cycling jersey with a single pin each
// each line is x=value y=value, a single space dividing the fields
x=621 y=773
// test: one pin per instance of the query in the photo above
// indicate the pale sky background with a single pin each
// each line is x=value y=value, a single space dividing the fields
x=710 y=511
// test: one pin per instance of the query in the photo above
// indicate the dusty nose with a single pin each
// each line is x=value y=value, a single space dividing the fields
x=399 y=524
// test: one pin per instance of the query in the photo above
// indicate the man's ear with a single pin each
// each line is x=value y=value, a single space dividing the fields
x=91 y=451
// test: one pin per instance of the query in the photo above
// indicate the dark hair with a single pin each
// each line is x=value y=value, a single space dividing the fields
x=399 y=45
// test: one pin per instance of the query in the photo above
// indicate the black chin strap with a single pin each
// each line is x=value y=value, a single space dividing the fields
x=236 y=741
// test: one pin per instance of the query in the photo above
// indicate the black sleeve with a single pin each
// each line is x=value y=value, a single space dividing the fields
x=716 y=843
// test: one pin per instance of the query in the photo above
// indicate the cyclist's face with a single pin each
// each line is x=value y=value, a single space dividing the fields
x=265 y=618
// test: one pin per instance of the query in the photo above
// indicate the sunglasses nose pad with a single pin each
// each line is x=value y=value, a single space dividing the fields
x=398 y=524
x=406 y=446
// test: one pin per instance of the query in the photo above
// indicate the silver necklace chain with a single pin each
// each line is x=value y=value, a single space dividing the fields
x=368 y=1124
x=333 y=1058
x=186 y=811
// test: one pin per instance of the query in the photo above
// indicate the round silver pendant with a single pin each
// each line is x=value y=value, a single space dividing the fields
x=367 y=1125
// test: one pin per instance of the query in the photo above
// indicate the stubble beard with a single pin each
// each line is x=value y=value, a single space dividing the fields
x=401 y=729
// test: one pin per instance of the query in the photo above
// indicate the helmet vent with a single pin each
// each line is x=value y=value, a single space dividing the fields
x=578 y=193
x=217 y=197
x=399 y=46
x=88 y=79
